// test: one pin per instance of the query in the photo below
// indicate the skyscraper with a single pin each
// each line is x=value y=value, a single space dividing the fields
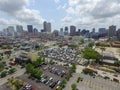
x=118 y=34
x=35 y=30
x=112 y=31
x=47 y=26
x=30 y=28
x=19 y=28
x=102 y=30
x=10 y=31
x=66 y=30
x=61 y=32
x=72 y=30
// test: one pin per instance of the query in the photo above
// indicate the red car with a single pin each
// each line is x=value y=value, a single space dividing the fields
x=33 y=88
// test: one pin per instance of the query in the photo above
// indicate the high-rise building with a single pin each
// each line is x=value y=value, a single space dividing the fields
x=102 y=30
x=61 y=32
x=10 y=32
x=72 y=30
x=93 y=30
x=35 y=30
x=66 y=30
x=112 y=31
x=30 y=28
x=19 y=28
x=47 y=26
x=55 y=33
x=118 y=34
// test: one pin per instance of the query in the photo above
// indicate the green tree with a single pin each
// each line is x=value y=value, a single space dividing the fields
x=69 y=75
x=1 y=66
x=91 y=44
x=12 y=70
x=3 y=73
x=117 y=63
x=91 y=54
x=78 y=79
x=73 y=68
x=73 y=86
x=38 y=74
x=87 y=71
x=29 y=68
x=64 y=82
x=81 y=41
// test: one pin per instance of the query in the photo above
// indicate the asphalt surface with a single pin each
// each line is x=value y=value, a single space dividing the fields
x=90 y=83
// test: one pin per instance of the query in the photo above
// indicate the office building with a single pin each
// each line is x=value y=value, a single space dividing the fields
x=66 y=31
x=72 y=30
x=112 y=31
x=118 y=34
x=93 y=30
x=61 y=33
x=9 y=32
x=19 y=28
x=30 y=28
x=55 y=33
x=46 y=26
x=35 y=30
x=102 y=30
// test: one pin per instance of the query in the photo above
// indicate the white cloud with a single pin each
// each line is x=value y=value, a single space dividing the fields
x=67 y=20
x=56 y=1
x=70 y=10
x=94 y=13
x=19 y=12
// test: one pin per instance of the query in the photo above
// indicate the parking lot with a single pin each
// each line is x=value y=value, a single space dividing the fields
x=92 y=83
x=99 y=83
x=49 y=73
x=62 y=54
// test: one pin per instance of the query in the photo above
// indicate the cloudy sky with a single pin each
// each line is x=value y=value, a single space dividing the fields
x=82 y=13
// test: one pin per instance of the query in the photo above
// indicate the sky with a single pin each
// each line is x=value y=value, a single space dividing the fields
x=84 y=14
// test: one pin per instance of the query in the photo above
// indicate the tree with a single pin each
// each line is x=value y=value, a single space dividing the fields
x=73 y=86
x=73 y=68
x=64 y=82
x=91 y=44
x=69 y=75
x=81 y=41
x=12 y=70
x=117 y=63
x=87 y=71
x=78 y=79
x=29 y=68
x=38 y=74
x=91 y=54
x=1 y=66
x=3 y=73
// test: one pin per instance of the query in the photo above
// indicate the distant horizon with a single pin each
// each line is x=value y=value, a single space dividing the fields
x=85 y=14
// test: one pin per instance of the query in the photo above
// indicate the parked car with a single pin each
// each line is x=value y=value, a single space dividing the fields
x=53 y=84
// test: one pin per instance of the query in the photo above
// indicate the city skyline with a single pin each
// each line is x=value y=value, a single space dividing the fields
x=86 y=14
